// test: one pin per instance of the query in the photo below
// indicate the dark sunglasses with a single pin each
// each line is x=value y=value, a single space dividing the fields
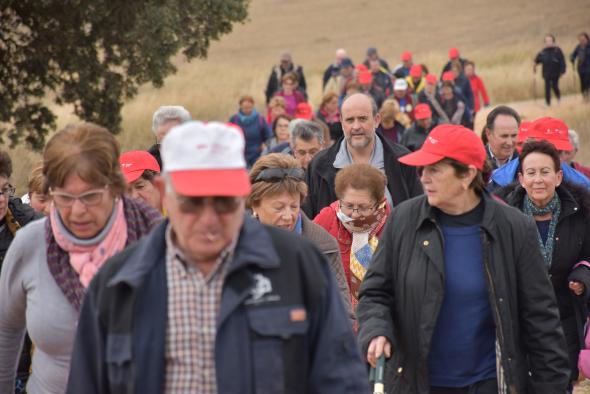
x=278 y=174
x=221 y=205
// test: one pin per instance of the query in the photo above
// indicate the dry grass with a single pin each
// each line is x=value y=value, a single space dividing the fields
x=501 y=36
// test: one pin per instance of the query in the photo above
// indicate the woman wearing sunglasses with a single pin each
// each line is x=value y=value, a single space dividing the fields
x=51 y=261
x=278 y=189
x=356 y=219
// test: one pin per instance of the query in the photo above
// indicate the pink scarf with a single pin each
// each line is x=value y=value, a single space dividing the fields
x=87 y=260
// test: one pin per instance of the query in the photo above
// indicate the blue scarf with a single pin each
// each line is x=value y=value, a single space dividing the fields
x=553 y=208
x=298 y=226
x=248 y=119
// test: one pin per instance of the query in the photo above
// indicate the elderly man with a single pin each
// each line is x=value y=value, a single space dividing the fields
x=213 y=301
x=501 y=132
x=164 y=119
x=333 y=69
x=285 y=66
x=569 y=156
x=360 y=144
x=307 y=140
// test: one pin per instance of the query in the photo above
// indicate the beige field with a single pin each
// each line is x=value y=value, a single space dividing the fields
x=501 y=36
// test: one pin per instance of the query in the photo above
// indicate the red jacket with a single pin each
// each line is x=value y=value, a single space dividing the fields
x=478 y=88
x=328 y=220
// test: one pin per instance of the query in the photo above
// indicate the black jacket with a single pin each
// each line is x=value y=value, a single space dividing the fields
x=415 y=136
x=583 y=56
x=154 y=150
x=281 y=326
x=403 y=291
x=572 y=245
x=402 y=180
x=553 y=62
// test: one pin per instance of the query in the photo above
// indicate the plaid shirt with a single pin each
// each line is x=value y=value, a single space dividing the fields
x=193 y=306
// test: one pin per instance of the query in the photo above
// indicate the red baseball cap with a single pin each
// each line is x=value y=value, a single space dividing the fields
x=361 y=67
x=416 y=71
x=453 y=53
x=422 y=111
x=431 y=78
x=448 y=76
x=406 y=56
x=365 y=77
x=524 y=131
x=448 y=141
x=304 y=111
x=135 y=162
x=206 y=160
x=552 y=130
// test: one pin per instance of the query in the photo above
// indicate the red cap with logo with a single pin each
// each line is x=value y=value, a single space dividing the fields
x=448 y=141
x=448 y=76
x=406 y=56
x=552 y=130
x=135 y=162
x=453 y=53
x=422 y=111
x=416 y=71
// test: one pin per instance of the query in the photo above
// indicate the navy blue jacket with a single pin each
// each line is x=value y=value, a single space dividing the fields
x=583 y=56
x=260 y=346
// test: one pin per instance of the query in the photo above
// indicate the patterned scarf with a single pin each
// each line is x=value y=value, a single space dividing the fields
x=553 y=208
x=140 y=218
x=364 y=242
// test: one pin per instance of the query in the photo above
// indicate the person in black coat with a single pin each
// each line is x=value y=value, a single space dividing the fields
x=562 y=214
x=553 y=62
x=456 y=295
x=582 y=53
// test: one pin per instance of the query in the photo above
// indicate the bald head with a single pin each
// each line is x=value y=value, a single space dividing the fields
x=356 y=99
x=359 y=120
x=340 y=54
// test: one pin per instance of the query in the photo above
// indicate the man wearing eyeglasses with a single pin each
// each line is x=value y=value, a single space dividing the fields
x=213 y=301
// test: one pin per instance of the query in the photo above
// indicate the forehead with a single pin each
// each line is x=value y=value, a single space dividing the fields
x=537 y=160
x=505 y=123
x=358 y=105
x=301 y=144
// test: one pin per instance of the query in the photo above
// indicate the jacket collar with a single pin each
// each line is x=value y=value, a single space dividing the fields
x=488 y=224
x=254 y=247
x=569 y=204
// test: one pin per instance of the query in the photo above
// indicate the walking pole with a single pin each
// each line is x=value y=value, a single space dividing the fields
x=535 y=87
x=376 y=376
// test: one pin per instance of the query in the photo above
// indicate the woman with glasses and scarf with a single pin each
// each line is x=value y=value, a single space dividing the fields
x=51 y=261
x=561 y=211
x=356 y=219
x=278 y=189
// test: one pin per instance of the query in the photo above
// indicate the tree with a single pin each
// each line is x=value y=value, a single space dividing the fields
x=94 y=54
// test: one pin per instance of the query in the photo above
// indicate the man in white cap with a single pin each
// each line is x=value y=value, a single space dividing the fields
x=213 y=301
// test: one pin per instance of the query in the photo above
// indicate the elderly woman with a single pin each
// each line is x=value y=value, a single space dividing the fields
x=561 y=211
x=276 y=107
x=278 y=188
x=140 y=170
x=42 y=287
x=457 y=296
x=281 y=131
x=394 y=123
x=356 y=219
x=329 y=111
x=164 y=119
x=290 y=93
x=255 y=129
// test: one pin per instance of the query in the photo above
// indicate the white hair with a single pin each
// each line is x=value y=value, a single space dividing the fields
x=169 y=112
x=574 y=138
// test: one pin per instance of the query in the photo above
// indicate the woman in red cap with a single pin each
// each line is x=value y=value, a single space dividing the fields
x=561 y=211
x=457 y=296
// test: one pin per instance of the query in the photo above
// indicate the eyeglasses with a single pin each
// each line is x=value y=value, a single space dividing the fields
x=7 y=191
x=302 y=152
x=221 y=205
x=89 y=198
x=278 y=174
x=362 y=210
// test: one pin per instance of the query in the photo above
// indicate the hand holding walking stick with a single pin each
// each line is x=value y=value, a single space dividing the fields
x=376 y=376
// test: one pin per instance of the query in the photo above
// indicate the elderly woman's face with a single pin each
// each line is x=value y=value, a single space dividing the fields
x=539 y=178
x=289 y=86
x=84 y=208
x=246 y=107
x=332 y=105
x=282 y=130
x=280 y=210
x=442 y=186
x=357 y=202
x=5 y=187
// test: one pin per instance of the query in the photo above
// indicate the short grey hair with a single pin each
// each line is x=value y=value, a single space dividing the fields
x=169 y=112
x=307 y=130
x=574 y=138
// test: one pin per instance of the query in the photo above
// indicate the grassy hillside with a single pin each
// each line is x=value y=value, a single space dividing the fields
x=501 y=36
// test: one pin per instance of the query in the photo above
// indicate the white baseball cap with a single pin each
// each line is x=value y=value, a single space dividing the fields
x=206 y=159
x=400 y=84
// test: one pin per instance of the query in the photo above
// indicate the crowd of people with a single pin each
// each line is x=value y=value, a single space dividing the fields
x=260 y=254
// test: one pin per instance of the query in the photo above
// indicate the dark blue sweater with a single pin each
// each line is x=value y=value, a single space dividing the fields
x=463 y=344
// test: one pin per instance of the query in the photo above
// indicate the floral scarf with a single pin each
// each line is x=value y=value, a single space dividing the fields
x=553 y=208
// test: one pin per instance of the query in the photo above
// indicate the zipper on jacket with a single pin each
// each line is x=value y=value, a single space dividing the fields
x=486 y=265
